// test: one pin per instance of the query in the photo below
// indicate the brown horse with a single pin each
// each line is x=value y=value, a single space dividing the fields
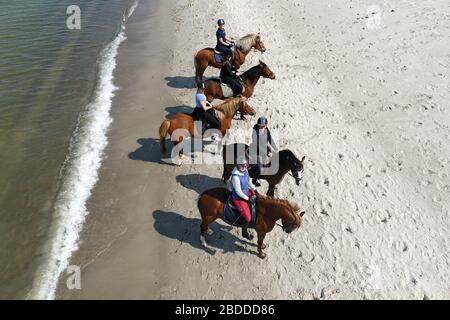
x=213 y=88
x=224 y=111
x=270 y=210
x=205 y=57
x=287 y=161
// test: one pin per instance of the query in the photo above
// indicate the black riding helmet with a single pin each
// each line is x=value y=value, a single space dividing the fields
x=200 y=86
x=262 y=121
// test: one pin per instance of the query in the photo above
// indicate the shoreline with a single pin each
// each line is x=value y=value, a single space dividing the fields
x=110 y=220
x=376 y=220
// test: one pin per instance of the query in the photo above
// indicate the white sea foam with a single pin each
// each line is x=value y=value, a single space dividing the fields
x=80 y=173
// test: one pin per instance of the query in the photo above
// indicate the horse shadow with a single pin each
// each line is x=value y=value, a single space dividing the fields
x=180 y=82
x=199 y=182
x=187 y=230
x=178 y=109
x=149 y=151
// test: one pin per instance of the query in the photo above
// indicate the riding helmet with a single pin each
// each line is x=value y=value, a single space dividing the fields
x=201 y=86
x=241 y=160
x=262 y=121
x=220 y=22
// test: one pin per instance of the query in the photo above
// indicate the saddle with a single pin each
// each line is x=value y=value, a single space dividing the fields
x=226 y=88
x=218 y=55
x=232 y=215
x=196 y=116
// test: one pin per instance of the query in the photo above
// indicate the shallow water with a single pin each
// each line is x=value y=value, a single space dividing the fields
x=48 y=76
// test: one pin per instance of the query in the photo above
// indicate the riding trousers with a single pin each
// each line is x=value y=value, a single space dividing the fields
x=206 y=116
x=225 y=49
x=236 y=86
x=243 y=206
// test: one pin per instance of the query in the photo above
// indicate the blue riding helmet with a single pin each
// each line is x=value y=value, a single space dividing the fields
x=220 y=22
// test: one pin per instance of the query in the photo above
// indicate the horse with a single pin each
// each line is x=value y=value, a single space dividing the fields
x=211 y=204
x=287 y=162
x=213 y=88
x=224 y=111
x=206 y=56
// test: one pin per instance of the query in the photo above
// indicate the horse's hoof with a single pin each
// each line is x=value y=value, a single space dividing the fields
x=203 y=242
x=263 y=246
x=262 y=255
x=209 y=232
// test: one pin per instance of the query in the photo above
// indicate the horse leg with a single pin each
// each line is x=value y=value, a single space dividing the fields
x=271 y=191
x=247 y=235
x=203 y=231
x=261 y=245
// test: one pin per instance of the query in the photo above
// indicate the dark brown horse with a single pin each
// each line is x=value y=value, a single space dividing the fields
x=224 y=111
x=270 y=210
x=213 y=88
x=205 y=57
x=287 y=162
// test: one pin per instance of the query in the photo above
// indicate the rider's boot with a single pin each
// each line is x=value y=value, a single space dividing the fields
x=247 y=235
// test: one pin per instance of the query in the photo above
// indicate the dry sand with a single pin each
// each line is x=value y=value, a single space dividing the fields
x=362 y=90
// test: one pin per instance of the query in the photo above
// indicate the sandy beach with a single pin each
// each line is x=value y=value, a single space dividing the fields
x=361 y=90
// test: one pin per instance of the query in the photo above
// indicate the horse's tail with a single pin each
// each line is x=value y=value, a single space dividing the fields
x=163 y=130
x=198 y=69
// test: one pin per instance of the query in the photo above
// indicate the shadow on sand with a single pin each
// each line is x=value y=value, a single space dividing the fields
x=180 y=82
x=148 y=151
x=187 y=230
x=177 y=109
x=199 y=182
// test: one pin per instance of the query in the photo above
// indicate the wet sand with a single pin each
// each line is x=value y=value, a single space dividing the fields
x=120 y=255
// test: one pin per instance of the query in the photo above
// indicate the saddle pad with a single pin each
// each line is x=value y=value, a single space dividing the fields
x=226 y=90
x=218 y=57
x=232 y=216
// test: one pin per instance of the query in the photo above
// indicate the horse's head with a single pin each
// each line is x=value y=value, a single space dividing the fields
x=259 y=44
x=246 y=108
x=294 y=221
x=295 y=165
x=265 y=71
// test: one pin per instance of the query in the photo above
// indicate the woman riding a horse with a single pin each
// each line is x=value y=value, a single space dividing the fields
x=261 y=148
x=223 y=43
x=203 y=110
x=243 y=191
x=228 y=76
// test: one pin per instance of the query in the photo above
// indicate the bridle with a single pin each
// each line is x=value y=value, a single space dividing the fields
x=285 y=228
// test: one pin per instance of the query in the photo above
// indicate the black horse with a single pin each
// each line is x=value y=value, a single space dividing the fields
x=287 y=162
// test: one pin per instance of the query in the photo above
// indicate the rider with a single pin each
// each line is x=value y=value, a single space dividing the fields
x=228 y=76
x=203 y=109
x=223 y=43
x=262 y=147
x=243 y=191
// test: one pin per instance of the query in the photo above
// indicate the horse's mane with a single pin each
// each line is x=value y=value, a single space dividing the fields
x=292 y=205
x=247 y=73
x=246 y=42
x=227 y=108
x=288 y=152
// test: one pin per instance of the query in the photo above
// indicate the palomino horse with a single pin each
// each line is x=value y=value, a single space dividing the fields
x=213 y=88
x=242 y=47
x=270 y=210
x=287 y=161
x=224 y=111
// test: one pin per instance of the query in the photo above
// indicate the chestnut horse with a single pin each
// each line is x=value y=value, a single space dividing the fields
x=242 y=47
x=224 y=111
x=213 y=88
x=287 y=161
x=270 y=210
